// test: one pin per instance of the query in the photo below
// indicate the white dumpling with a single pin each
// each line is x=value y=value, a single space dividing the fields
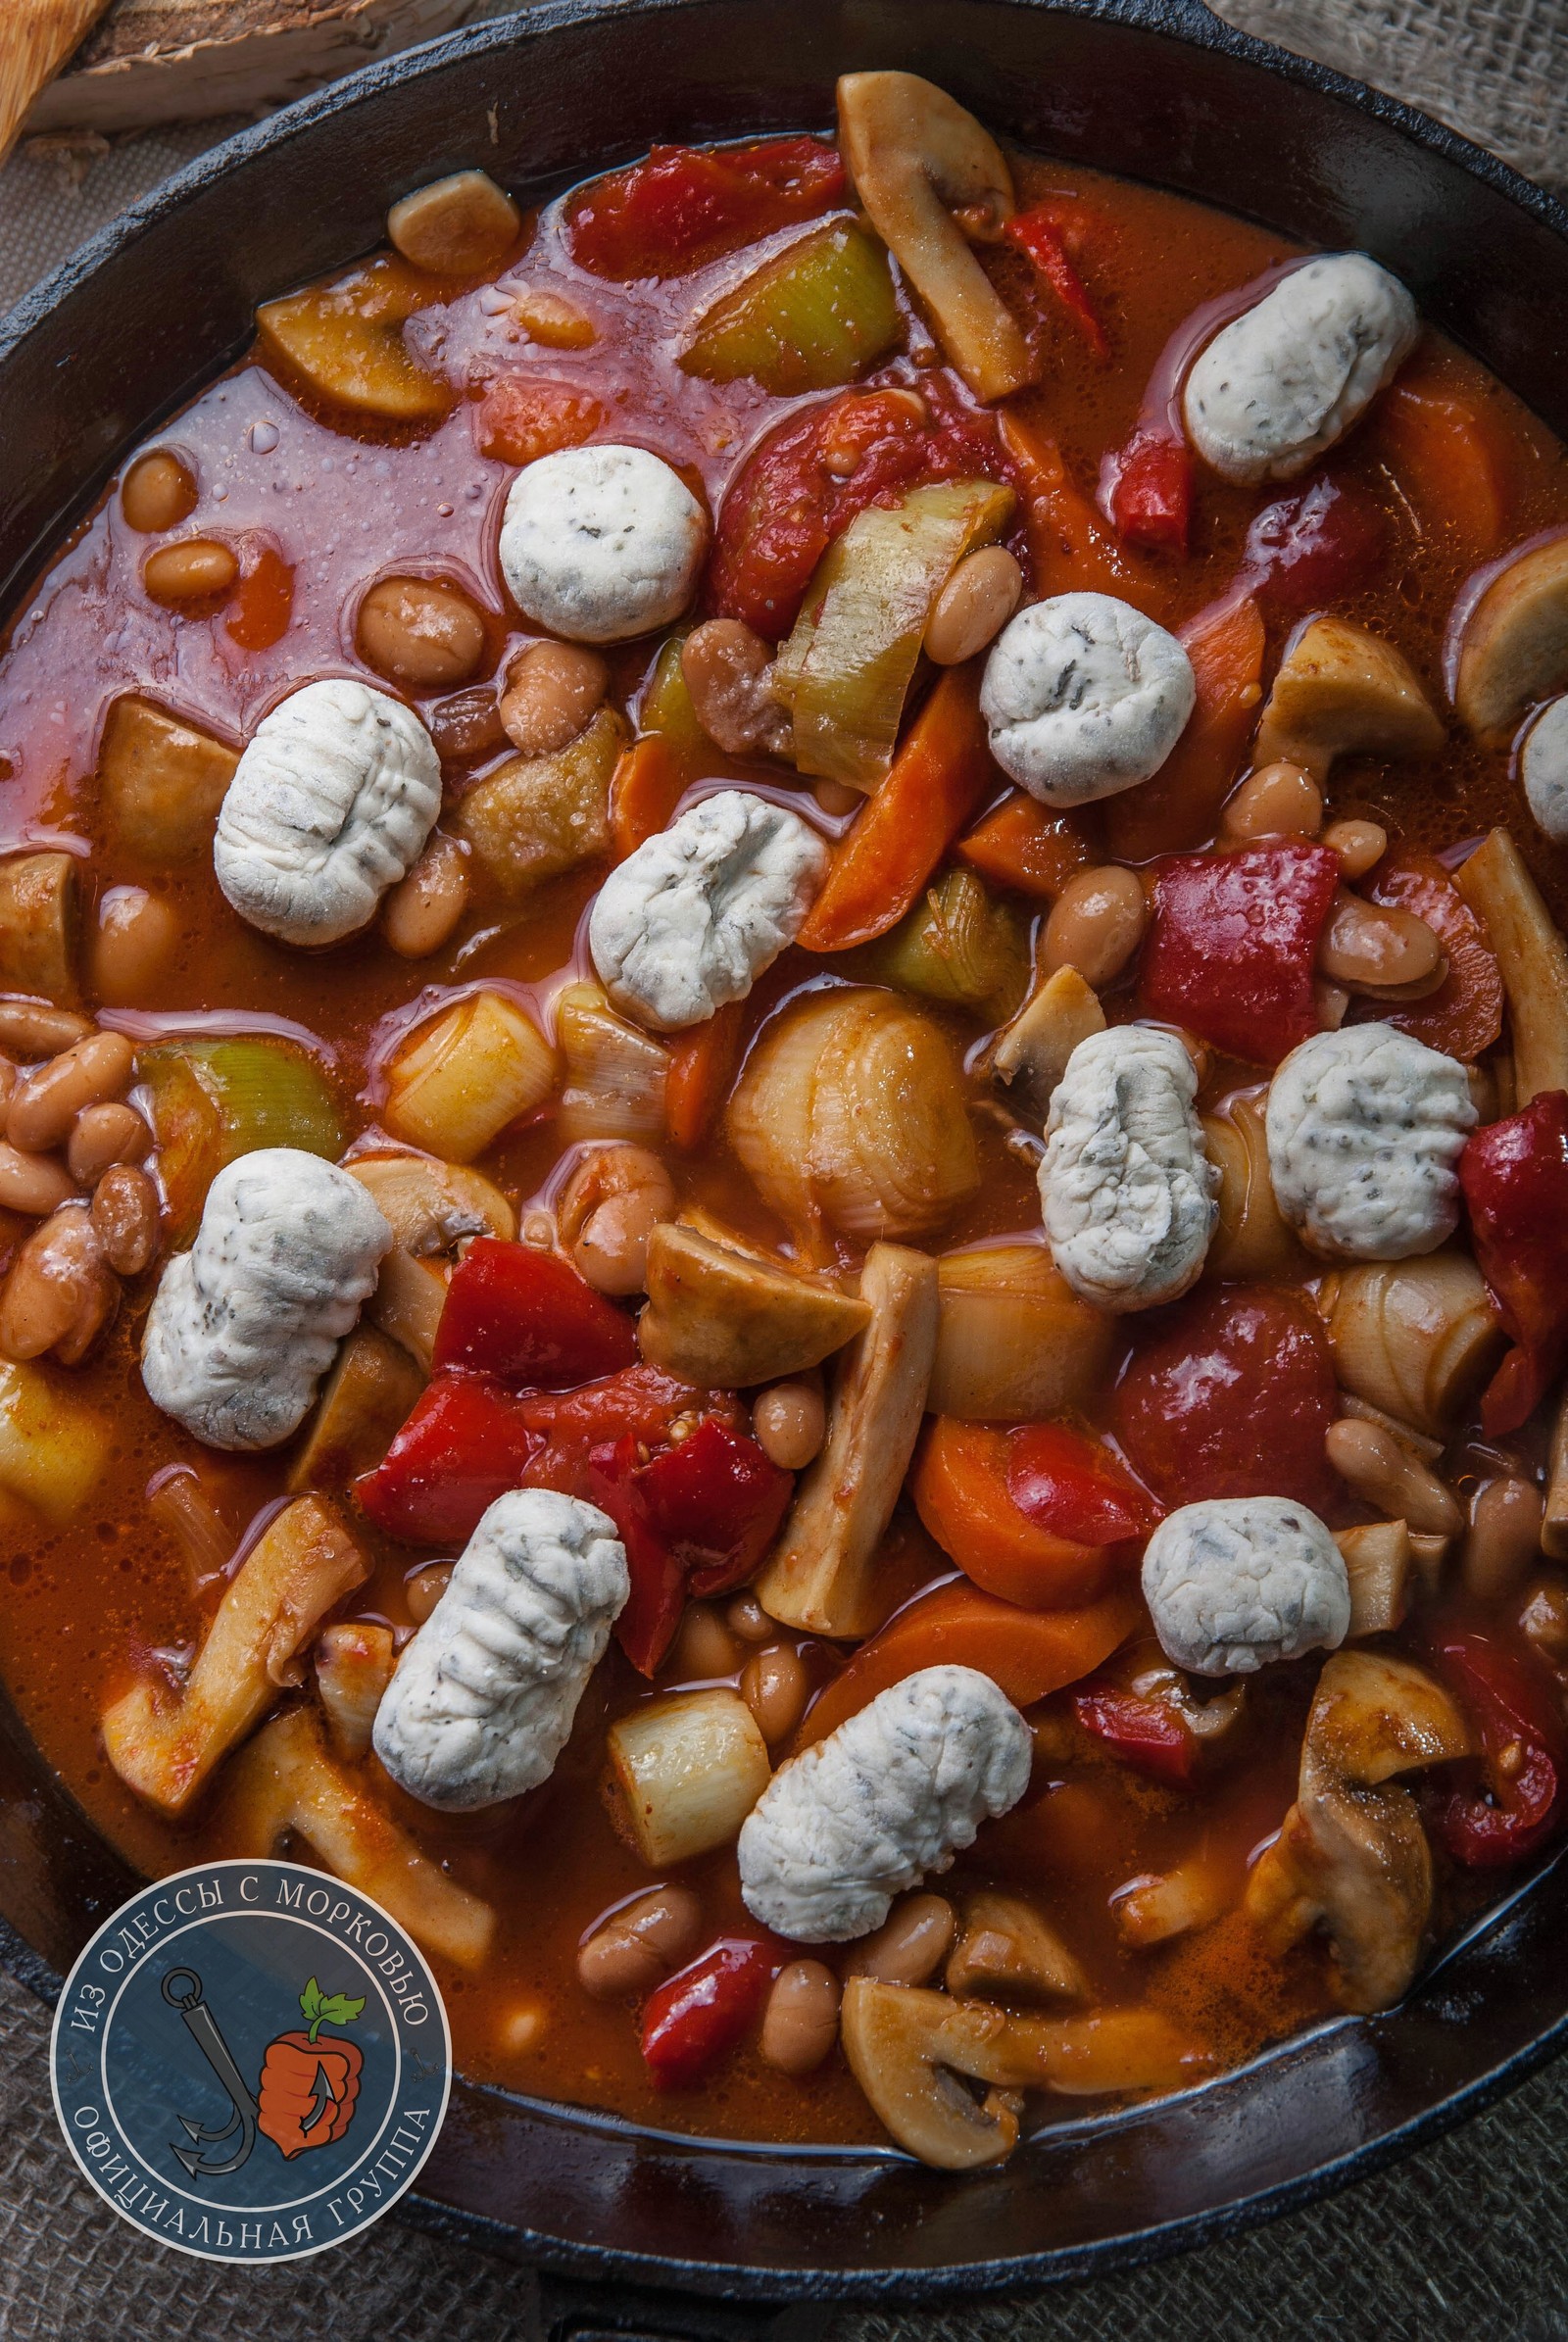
x=891 y=1796
x=1289 y=378
x=691 y=919
x=329 y=805
x=1365 y=1128
x=1236 y=1582
x=483 y=1698
x=602 y=543
x=1084 y=697
x=244 y=1324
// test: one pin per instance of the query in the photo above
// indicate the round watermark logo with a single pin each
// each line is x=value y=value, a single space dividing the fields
x=251 y=2061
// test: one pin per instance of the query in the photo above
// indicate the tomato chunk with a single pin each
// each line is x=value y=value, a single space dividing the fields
x=1314 y=547
x=696 y=2019
x=684 y=206
x=1149 y=1735
x=1075 y=1487
x=1491 y=1822
x=1514 y=1175
x=1464 y=1015
x=803 y=485
x=1042 y=234
x=1232 y=1396
x=1233 y=945
x=465 y=1444
x=526 y=1316
x=524 y=416
x=1147 y=487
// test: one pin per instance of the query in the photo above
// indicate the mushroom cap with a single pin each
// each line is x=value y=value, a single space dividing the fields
x=1235 y=1582
x=602 y=543
x=1544 y=769
x=1084 y=697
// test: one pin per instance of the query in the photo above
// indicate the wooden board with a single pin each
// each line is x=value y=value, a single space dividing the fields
x=167 y=61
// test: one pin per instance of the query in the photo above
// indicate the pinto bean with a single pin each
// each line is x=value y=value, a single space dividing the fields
x=1387 y=1476
x=45 y=1104
x=800 y=2023
x=747 y=1618
x=1503 y=1544
x=1096 y=924
x=639 y=1946
x=125 y=1212
x=136 y=938
x=105 y=1135
x=35 y=1184
x=1376 y=948
x=421 y=911
x=1278 y=801
x=774 y=1686
x=467 y=726
x=60 y=1292
x=419 y=632
x=610 y=1206
x=909 y=1945
x=424 y=1589
x=157 y=491
x=704 y=1646
x=31 y=1029
x=1359 y=845
x=191 y=571
x=790 y=1423
x=974 y=606
x=728 y=669
x=552 y=690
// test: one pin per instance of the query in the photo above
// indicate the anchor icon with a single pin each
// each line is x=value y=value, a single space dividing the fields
x=182 y=1989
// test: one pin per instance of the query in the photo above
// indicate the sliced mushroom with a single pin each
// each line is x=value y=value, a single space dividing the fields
x=722 y=1318
x=1531 y=958
x=1155 y=1908
x=1353 y=1855
x=1380 y=1568
x=1253 y=1237
x=434 y=1208
x=163 y=1743
x=822 y=1573
x=286 y=1780
x=1514 y=648
x=1031 y=1055
x=365 y=1401
x=354 y=1664
x=908 y=2049
x=1008 y=1952
x=1341 y=691
x=39 y=925
x=160 y=781
x=1415 y=1338
x=915 y=157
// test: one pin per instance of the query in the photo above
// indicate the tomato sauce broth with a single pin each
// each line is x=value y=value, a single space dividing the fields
x=339 y=507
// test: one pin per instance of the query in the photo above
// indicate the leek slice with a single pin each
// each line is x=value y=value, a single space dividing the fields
x=961 y=946
x=811 y=318
x=666 y=706
x=846 y=670
x=213 y=1100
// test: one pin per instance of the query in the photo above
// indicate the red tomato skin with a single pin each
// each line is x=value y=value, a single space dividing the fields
x=1314 y=547
x=718 y=1501
x=785 y=506
x=1232 y=1396
x=1514 y=1176
x=465 y=1444
x=684 y=206
x=1144 y=1734
x=521 y=1314
x=1075 y=1487
x=696 y=2019
x=1038 y=234
x=1233 y=945
x=1512 y=1700
x=1149 y=492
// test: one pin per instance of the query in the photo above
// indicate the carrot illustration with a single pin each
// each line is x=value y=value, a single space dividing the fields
x=307 y=2090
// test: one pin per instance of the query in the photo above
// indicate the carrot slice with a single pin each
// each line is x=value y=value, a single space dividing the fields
x=1450 y=456
x=961 y=1493
x=643 y=790
x=701 y=1065
x=1023 y=847
x=938 y=777
x=1071 y=549
x=1180 y=806
x=1028 y=1653
x=1464 y=1015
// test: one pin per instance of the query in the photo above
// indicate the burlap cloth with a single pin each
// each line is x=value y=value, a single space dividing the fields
x=1468 y=2239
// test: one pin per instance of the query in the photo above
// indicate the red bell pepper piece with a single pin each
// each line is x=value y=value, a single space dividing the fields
x=1075 y=1487
x=651 y=1613
x=1146 y=489
x=700 y=2014
x=684 y=206
x=465 y=1444
x=716 y=1501
x=1148 y=1734
x=1513 y=1701
x=1233 y=945
x=786 y=505
x=1039 y=234
x=1515 y=1180
x=1232 y=1395
x=1314 y=547
x=528 y=1317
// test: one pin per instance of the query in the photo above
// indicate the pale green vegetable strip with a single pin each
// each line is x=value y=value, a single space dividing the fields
x=814 y=318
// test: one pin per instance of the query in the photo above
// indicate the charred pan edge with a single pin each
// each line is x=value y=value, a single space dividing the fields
x=731 y=2223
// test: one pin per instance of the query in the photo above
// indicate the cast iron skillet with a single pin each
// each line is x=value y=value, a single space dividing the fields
x=160 y=302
